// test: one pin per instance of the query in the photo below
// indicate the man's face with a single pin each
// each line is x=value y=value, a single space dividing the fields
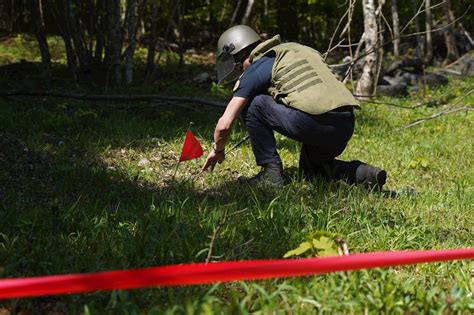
x=228 y=67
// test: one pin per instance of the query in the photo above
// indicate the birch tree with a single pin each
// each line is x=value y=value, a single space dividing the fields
x=428 y=27
x=367 y=82
x=396 y=29
x=248 y=10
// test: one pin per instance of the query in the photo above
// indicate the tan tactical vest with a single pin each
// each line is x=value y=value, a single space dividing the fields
x=301 y=79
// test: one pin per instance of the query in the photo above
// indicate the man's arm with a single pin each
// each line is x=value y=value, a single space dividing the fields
x=222 y=131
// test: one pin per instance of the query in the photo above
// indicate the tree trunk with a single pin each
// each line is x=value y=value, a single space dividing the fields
x=175 y=11
x=132 y=31
x=396 y=29
x=180 y=31
x=366 y=84
x=39 y=30
x=429 y=40
x=76 y=33
x=379 y=48
x=419 y=39
x=152 y=38
x=114 y=41
x=100 y=27
x=60 y=21
x=174 y=18
x=70 y=56
x=248 y=10
x=141 y=18
x=91 y=22
x=451 y=49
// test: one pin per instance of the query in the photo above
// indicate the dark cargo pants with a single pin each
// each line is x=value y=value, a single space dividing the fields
x=323 y=137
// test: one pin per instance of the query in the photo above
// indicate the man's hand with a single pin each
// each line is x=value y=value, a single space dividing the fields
x=213 y=158
x=222 y=131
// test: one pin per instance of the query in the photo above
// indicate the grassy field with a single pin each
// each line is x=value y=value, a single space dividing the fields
x=88 y=186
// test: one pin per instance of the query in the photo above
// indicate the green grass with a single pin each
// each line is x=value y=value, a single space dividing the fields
x=25 y=47
x=89 y=187
x=75 y=198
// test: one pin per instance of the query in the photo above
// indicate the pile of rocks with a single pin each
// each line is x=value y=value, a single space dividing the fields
x=403 y=75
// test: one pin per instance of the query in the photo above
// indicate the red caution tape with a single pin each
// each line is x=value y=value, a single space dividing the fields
x=217 y=272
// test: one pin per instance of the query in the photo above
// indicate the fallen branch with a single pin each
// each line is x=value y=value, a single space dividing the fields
x=444 y=112
x=114 y=97
x=366 y=99
x=450 y=72
x=393 y=104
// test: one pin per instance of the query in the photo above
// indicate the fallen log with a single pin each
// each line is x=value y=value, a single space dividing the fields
x=464 y=66
x=392 y=90
x=114 y=97
x=416 y=64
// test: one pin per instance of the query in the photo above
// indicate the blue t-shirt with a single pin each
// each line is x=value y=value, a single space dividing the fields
x=256 y=79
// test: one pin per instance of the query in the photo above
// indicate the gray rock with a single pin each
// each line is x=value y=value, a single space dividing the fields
x=143 y=162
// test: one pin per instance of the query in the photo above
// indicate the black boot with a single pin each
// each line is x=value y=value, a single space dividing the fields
x=373 y=178
x=357 y=172
x=271 y=174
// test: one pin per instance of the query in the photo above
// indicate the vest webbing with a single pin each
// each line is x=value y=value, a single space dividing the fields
x=301 y=79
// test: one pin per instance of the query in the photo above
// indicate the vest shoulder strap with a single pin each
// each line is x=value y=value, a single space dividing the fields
x=264 y=47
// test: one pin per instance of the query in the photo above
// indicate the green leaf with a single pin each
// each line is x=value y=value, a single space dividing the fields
x=419 y=162
x=424 y=162
x=328 y=252
x=413 y=164
x=298 y=251
x=324 y=243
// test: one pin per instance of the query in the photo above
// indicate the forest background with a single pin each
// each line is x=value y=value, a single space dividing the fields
x=101 y=37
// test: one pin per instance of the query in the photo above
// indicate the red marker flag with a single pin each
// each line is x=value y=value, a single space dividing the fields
x=191 y=148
